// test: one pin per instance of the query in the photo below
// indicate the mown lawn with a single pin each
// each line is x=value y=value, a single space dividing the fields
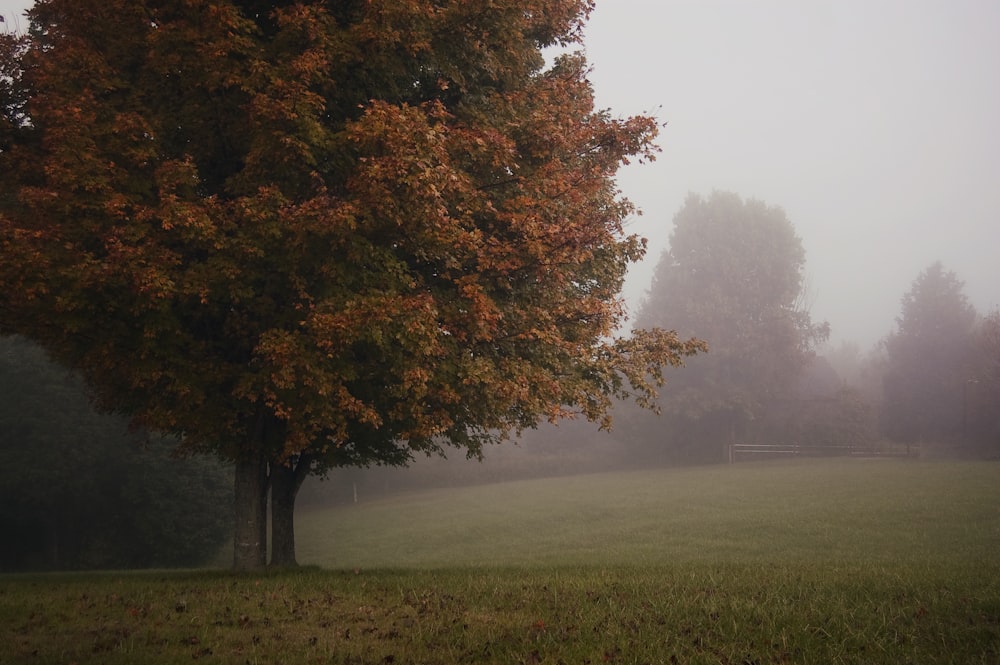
x=840 y=511
x=849 y=562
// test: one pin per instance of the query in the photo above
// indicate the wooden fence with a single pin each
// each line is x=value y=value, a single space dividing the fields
x=742 y=451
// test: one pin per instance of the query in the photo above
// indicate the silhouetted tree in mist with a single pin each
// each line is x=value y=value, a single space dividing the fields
x=928 y=364
x=733 y=276
x=822 y=410
x=860 y=370
x=981 y=398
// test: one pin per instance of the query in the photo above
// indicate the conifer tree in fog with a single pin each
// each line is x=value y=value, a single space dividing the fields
x=928 y=372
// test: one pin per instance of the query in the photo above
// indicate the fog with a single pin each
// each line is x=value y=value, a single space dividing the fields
x=873 y=124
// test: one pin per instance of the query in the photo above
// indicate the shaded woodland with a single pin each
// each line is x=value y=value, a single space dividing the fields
x=79 y=490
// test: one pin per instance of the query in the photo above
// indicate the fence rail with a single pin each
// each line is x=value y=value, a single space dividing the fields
x=738 y=451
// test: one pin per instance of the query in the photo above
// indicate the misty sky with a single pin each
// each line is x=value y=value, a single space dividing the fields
x=873 y=123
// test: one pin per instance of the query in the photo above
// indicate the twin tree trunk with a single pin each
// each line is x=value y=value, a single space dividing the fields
x=285 y=483
x=254 y=479
x=250 y=535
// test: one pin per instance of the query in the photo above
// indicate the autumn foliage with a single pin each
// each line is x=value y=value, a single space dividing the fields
x=310 y=234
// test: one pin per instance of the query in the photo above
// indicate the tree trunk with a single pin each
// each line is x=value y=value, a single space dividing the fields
x=250 y=537
x=286 y=479
x=52 y=546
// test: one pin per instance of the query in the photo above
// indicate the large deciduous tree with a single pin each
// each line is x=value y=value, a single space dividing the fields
x=313 y=234
x=733 y=276
x=928 y=361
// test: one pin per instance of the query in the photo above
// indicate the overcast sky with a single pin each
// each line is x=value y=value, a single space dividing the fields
x=873 y=123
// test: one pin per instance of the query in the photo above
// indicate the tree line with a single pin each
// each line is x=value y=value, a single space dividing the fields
x=733 y=275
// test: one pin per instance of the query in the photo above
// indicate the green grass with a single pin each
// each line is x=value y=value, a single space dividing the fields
x=844 y=562
x=837 y=512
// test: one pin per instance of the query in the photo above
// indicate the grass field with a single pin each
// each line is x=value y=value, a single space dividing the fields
x=852 y=561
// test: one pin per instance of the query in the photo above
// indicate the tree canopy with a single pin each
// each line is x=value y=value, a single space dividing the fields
x=733 y=276
x=312 y=234
x=928 y=361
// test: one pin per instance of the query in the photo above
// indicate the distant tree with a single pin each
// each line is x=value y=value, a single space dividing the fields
x=825 y=409
x=928 y=361
x=818 y=378
x=77 y=490
x=981 y=398
x=847 y=419
x=842 y=419
x=733 y=276
x=307 y=235
x=848 y=360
